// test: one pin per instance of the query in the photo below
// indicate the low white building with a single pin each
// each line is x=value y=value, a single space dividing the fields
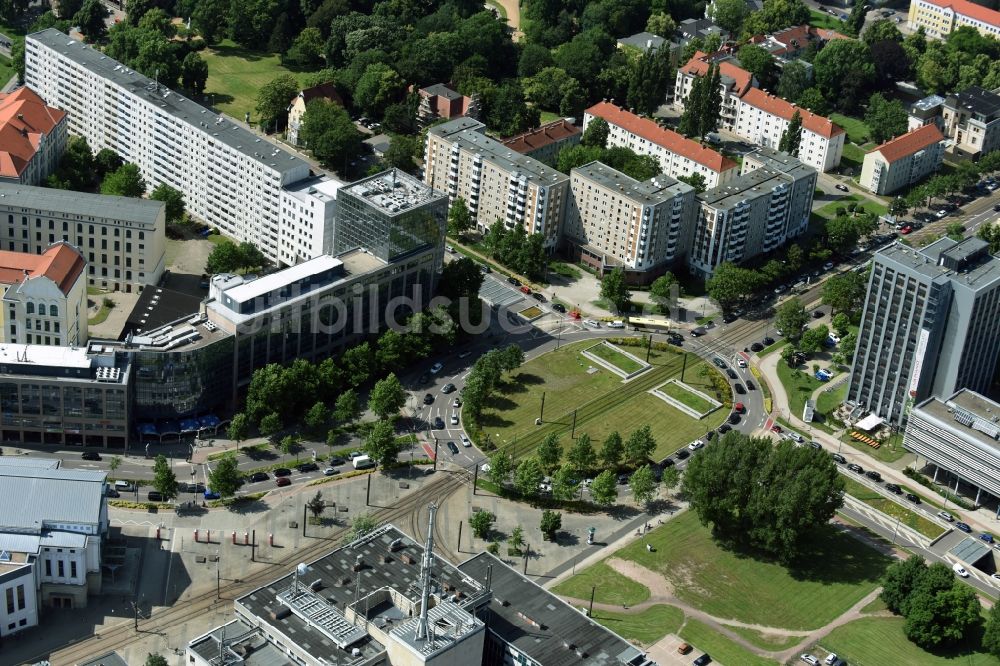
x=307 y=211
x=903 y=161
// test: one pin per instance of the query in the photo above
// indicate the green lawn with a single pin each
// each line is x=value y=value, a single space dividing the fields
x=565 y=270
x=768 y=641
x=830 y=210
x=857 y=131
x=602 y=403
x=890 y=508
x=236 y=74
x=615 y=358
x=101 y=316
x=799 y=385
x=6 y=70
x=880 y=640
x=722 y=649
x=824 y=20
x=686 y=397
x=852 y=156
x=610 y=587
x=890 y=451
x=828 y=401
x=646 y=627
x=834 y=573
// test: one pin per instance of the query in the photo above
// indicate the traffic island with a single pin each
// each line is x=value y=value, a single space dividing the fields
x=689 y=400
x=616 y=360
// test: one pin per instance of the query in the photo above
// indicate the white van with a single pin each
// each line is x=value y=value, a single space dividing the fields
x=616 y=324
x=363 y=462
x=123 y=486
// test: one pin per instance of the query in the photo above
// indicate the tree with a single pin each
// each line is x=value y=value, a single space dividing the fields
x=172 y=198
x=813 y=339
x=758 y=61
x=516 y=539
x=387 y=397
x=991 y=632
x=664 y=291
x=272 y=101
x=955 y=231
x=840 y=323
x=69 y=8
x=501 y=465
x=534 y=58
x=550 y=523
x=604 y=488
x=115 y=463
x=596 y=133
x=942 y=619
x=126 y=181
x=844 y=72
x=316 y=505
x=885 y=119
x=730 y=284
x=790 y=318
x=270 y=425
x=792 y=135
x=564 y=483
x=206 y=19
x=794 y=80
x=381 y=445
x=239 y=428
x=662 y=25
x=882 y=30
x=328 y=131
x=17 y=59
x=224 y=258
x=155 y=659
x=729 y=14
x=643 y=484
x=461 y=278
x=615 y=290
x=671 y=477
x=898 y=206
x=856 y=19
x=481 y=523
x=459 y=219
x=812 y=99
x=90 y=20
x=194 y=72
x=106 y=161
x=361 y=526
x=639 y=446
x=164 y=480
x=288 y=444
x=695 y=180
x=845 y=293
x=378 y=87
x=224 y=477
x=316 y=417
x=549 y=452
x=527 y=477
x=545 y=88
x=307 y=49
x=581 y=455
x=612 y=451
x=900 y=580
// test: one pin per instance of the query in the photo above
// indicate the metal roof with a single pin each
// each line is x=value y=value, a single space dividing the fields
x=970 y=550
x=50 y=495
x=81 y=205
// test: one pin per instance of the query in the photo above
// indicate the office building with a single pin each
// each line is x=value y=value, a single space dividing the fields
x=307 y=210
x=755 y=213
x=762 y=119
x=961 y=435
x=50 y=538
x=939 y=18
x=44 y=297
x=903 y=161
x=231 y=178
x=496 y=182
x=929 y=326
x=734 y=81
x=385 y=599
x=613 y=220
x=679 y=157
x=440 y=101
x=32 y=137
x=926 y=111
x=122 y=238
x=545 y=142
x=297 y=107
x=971 y=120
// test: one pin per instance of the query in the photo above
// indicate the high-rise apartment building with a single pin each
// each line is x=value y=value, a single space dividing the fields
x=496 y=182
x=230 y=177
x=613 y=220
x=929 y=326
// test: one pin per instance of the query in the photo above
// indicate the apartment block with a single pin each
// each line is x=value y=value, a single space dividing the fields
x=734 y=82
x=613 y=220
x=903 y=161
x=971 y=120
x=939 y=18
x=44 y=297
x=926 y=111
x=440 y=101
x=496 y=182
x=122 y=239
x=929 y=326
x=762 y=119
x=545 y=142
x=230 y=177
x=678 y=156
x=307 y=210
x=757 y=212
x=32 y=137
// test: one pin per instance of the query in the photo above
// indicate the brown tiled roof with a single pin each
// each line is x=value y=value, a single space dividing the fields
x=542 y=136
x=779 y=107
x=61 y=263
x=909 y=143
x=970 y=9
x=669 y=139
x=24 y=118
x=322 y=91
x=699 y=63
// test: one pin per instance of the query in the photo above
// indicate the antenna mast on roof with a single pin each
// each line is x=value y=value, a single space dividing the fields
x=425 y=575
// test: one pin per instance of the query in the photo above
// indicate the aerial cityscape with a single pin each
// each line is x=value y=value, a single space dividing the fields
x=499 y=332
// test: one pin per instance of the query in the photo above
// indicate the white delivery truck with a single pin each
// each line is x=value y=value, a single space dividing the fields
x=363 y=462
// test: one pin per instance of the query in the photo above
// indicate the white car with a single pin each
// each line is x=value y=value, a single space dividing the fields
x=830 y=659
x=436 y=368
x=945 y=516
x=696 y=444
x=485 y=469
x=454 y=418
x=329 y=471
x=592 y=322
x=741 y=362
x=960 y=570
x=465 y=440
x=456 y=403
x=616 y=324
x=809 y=659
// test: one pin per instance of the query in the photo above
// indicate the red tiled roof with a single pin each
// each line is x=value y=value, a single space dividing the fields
x=699 y=63
x=670 y=140
x=542 y=136
x=61 y=263
x=24 y=118
x=909 y=143
x=779 y=107
x=970 y=9
x=322 y=91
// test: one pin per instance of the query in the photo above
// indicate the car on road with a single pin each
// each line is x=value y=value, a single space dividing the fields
x=436 y=368
x=734 y=418
x=682 y=454
x=906 y=230
x=154 y=496
x=452 y=448
x=514 y=281
x=330 y=471
x=828 y=266
x=959 y=570
x=525 y=289
x=538 y=296
x=696 y=444
x=336 y=460
x=739 y=388
x=777 y=428
x=817 y=313
x=454 y=418
x=987 y=537
x=559 y=307
x=307 y=467
x=809 y=659
x=874 y=476
x=837 y=458
x=91 y=455
x=438 y=423
x=997 y=207
x=448 y=388
x=751 y=386
x=893 y=488
x=756 y=347
x=428 y=398
x=842 y=187
x=739 y=407
x=257 y=477
x=731 y=373
x=703 y=660
x=212 y=495
x=767 y=341
x=964 y=527
x=856 y=468
x=465 y=354
x=729 y=318
x=466 y=442
x=945 y=516
x=913 y=498
x=724 y=428
x=698 y=332
x=283 y=481
x=780 y=289
x=457 y=402
x=282 y=471
x=593 y=323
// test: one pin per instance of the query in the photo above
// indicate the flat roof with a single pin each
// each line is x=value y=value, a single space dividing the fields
x=45 y=355
x=968 y=414
x=977 y=100
x=924 y=261
x=393 y=192
x=750 y=184
x=50 y=495
x=928 y=103
x=322 y=187
x=970 y=550
x=157 y=307
x=248 y=290
x=642 y=40
x=218 y=126
x=81 y=204
x=777 y=160
x=651 y=192
x=259 y=651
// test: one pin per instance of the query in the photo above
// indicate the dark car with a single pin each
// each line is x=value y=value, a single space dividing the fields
x=739 y=388
x=988 y=538
x=514 y=281
x=767 y=341
x=837 y=458
x=282 y=471
x=756 y=347
x=154 y=496
x=559 y=307
x=257 y=477
x=438 y=423
x=111 y=492
x=913 y=498
x=703 y=660
x=682 y=454
x=874 y=476
x=538 y=297
x=212 y=495
x=667 y=462
x=453 y=448
x=724 y=428
x=751 y=386
x=893 y=488
x=710 y=435
x=857 y=469
x=448 y=388
x=336 y=461
x=719 y=363
x=698 y=332
x=732 y=373
x=734 y=418
x=729 y=318
x=307 y=467
x=91 y=455
x=817 y=313
x=283 y=481
x=428 y=398
x=964 y=527
x=623 y=479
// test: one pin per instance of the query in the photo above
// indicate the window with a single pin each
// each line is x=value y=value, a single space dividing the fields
x=20 y=597
x=72 y=569
x=54 y=310
x=62 y=568
x=30 y=307
x=10 y=600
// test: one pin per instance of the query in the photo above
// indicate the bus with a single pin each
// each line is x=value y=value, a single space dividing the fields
x=646 y=323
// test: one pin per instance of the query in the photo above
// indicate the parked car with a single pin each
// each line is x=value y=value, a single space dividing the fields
x=448 y=388
x=428 y=398
x=724 y=428
x=767 y=341
x=436 y=368
x=282 y=471
x=913 y=498
x=212 y=495
x=756 y=347
x=856 y=468
x=684 y=648
x=842 y=187
x=964 y=527
x=525 y=289
x=739 y=407
x=777 y=428
x=874 y=476
x=945 y=516
x=893 y=488
x=703 y=660
x=514 y=281
x=696 y=444
x=257 y=477
x=336 y=460
x=307 y=467
x=682 y=454
x=154 y=496
x=809 y=659
x=987 y=537
x=830 y=659
x=837 y=458
x=330 y=471
x=734 y=418
x=91 y=455
x=283 y=481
